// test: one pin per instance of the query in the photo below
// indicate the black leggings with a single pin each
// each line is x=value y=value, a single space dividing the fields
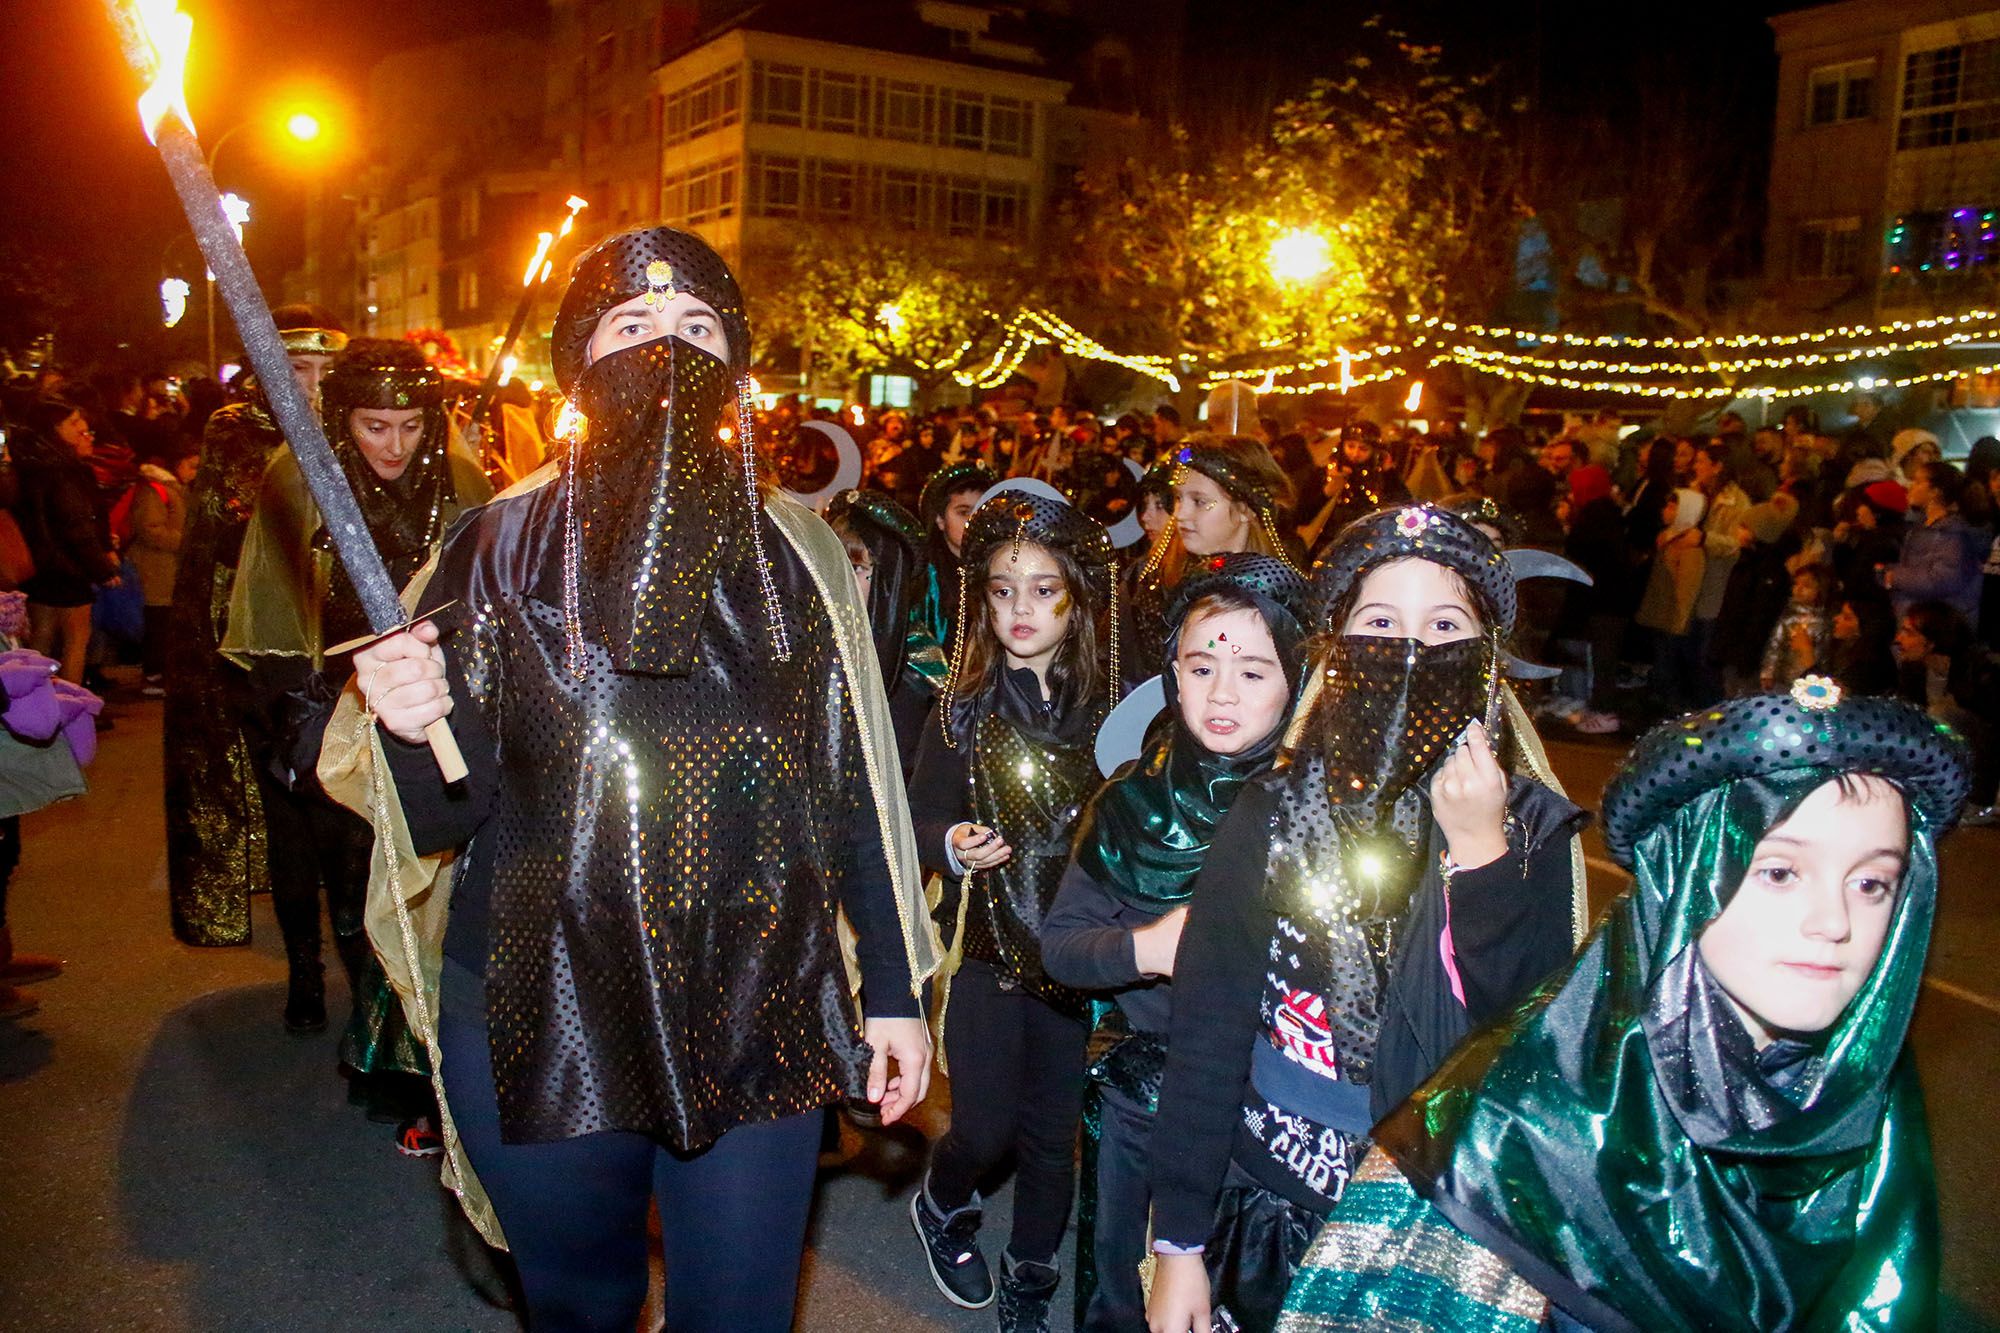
x=1016 y=1086
x=313 y=847
x=732 y=1219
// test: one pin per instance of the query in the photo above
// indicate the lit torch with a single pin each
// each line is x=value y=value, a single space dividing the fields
x=533 y=278
x=155 y=37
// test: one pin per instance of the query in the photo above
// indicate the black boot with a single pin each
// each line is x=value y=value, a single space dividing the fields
x=951 y=1249
x=1026 y=1290
x=305 y=996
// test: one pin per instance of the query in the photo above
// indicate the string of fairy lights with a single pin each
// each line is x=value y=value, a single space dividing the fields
x=1692 y=367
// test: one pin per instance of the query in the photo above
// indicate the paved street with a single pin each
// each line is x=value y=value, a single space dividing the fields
x=170 y=1160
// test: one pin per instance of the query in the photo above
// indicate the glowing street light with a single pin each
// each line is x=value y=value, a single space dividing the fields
x=303 y=126
x=174 y=300
x=1415 y=399
x=892 y=316
x=1298 y=256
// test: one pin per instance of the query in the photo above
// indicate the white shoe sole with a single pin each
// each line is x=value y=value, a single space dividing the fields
x=930 y=1264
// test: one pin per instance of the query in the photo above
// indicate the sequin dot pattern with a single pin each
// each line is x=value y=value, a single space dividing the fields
x=668 y=856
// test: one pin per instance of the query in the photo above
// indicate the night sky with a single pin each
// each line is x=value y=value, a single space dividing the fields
x=85 y=198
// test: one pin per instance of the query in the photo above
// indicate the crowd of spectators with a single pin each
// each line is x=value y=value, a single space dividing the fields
x=1723 y=561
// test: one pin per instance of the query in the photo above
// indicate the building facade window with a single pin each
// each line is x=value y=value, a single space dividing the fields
x=837 y=102
x=778 y=93
x=1827 y=248
x=830 y=191
x=842 y=103
x=1951 y=95
x=901 y=110
x=1836 y=93
x=468 y=290
x=703 y=107
x=704 y=193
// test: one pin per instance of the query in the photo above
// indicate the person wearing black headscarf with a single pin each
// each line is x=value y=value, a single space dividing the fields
x=619 y=934
x=1006 y=763
x=1234 y=666
x=291 y=608
x=884 y=542
x=1407 y=871
x=216 y=846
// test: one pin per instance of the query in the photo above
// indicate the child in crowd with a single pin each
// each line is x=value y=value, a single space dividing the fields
x=1234 y=664
x=1004 y=769
x=1729 y=1048
x=1800 y=637
x=885 y=546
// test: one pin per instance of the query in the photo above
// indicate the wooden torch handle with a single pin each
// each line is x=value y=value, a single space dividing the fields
x=444 y=749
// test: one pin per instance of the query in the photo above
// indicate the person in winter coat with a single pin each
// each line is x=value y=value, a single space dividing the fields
x=158 y=518
x=1668 y=605
x=59 y=517
x=1722 y=540
x=1943 y=558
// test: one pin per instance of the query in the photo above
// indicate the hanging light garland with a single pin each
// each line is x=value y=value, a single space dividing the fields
x=1438 y=341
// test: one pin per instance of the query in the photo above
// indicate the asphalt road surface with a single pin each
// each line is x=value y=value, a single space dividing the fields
x=171 y=1160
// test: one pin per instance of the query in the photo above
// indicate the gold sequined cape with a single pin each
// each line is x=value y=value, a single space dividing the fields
x=409 y=897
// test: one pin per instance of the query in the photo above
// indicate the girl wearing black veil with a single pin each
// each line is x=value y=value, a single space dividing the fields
x=1383 y=889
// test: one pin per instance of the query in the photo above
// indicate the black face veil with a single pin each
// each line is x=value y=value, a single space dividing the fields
x=656 y=496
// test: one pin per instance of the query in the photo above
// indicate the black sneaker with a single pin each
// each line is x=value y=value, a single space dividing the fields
x=951 y=1248
x=1026 y=1290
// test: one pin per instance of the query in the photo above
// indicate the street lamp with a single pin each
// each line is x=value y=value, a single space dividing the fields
x=302 y=126
x=1298 y=256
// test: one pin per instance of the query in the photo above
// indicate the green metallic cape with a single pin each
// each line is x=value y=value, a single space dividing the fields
x=409 y=897
x=282 y=579
x=1554 y=1140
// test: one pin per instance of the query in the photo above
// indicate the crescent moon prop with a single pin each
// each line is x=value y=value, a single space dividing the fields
x=1023 y=486
x=846 y=474
x=1123 y=734
x=1532 y=562
x=1127 y=531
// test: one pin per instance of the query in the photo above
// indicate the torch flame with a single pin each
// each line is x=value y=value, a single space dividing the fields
x=1416 y=398
x=576 y=204
x=543 y=240
x=1346 y=370
x=171 y=33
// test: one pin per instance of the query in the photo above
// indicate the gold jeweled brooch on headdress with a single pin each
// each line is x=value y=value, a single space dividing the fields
x=659 y=283
x=1816 y=694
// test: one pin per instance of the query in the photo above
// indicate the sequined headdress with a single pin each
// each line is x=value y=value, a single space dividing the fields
x=406 y=516
x=1239 y=482
x=948 y=481
x=309 y=330
x=1018 y=516
x=650 y=505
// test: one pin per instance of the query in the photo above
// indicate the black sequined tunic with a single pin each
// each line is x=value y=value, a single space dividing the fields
x=656 y=860
x=1034 y=791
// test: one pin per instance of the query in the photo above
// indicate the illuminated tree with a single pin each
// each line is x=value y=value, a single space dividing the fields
x=1382 y=193
x=901 y=303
